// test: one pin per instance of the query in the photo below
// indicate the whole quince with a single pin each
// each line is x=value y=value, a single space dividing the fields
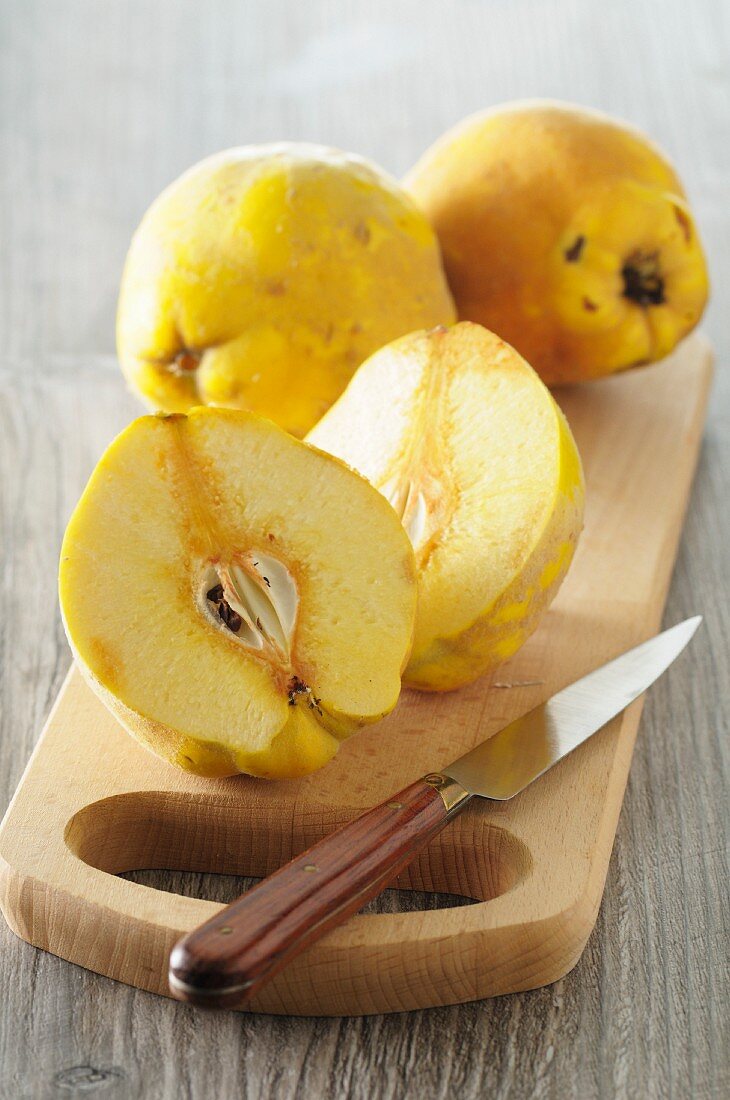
x=566 y=232
x=265 y=275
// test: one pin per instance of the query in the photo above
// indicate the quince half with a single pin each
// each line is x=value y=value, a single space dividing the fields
x=468 y=445
x=240 y=601
x=568 y=233
x=265 y=275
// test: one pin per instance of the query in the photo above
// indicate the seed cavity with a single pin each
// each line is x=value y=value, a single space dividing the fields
x=643 y=283
x=257 y=600
x=410 y=504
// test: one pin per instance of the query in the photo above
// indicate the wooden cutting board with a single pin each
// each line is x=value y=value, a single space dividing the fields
x=93 y=803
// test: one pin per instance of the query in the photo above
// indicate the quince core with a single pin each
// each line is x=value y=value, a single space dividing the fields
x=466 y=442
x=566 y=232
x=239 y=600
x=265 y=275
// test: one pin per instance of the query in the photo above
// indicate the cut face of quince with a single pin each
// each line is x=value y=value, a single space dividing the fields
x=476 y=458
x=241 y=601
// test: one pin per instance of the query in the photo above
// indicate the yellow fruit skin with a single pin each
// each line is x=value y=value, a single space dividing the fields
x=539 y=208
x=265 y=275
x=443 y=664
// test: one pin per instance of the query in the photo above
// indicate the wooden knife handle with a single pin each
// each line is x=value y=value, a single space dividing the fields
x=226 y=960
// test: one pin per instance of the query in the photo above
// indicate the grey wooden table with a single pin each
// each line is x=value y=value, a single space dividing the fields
x=104 y=103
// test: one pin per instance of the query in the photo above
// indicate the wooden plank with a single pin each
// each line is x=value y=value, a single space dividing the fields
x=536 y=865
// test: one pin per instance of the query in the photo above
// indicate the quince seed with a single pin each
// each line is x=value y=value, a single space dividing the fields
x=230 y=617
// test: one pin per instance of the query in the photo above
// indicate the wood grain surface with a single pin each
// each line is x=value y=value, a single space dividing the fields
x=101 y=105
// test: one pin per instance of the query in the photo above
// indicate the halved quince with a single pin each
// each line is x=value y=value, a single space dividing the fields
x=240 y=600
x=465 y=441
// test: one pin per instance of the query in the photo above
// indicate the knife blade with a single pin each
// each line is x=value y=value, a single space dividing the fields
x=521 y=752
x=229 y=957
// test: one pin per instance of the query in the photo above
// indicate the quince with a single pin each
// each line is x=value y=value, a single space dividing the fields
x=566 y=232
x=239 y=600
x=467 y=444
x=265 y=275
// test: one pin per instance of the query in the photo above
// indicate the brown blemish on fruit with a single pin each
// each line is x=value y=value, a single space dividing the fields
x=106 y=664
x=573 y=253
x=361 y=233
x=276 y=289
x=589 y=305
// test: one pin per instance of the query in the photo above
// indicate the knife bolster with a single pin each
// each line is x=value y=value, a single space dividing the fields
x=453 y=795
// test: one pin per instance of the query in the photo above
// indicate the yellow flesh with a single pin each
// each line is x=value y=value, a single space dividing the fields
x=173 y=494
x=265 y=275
x=494 y=489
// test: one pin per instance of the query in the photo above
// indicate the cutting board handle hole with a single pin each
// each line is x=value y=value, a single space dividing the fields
x=226 y=888
x=142 y=831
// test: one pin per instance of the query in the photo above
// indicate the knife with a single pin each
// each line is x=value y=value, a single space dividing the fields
x=225 y=961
